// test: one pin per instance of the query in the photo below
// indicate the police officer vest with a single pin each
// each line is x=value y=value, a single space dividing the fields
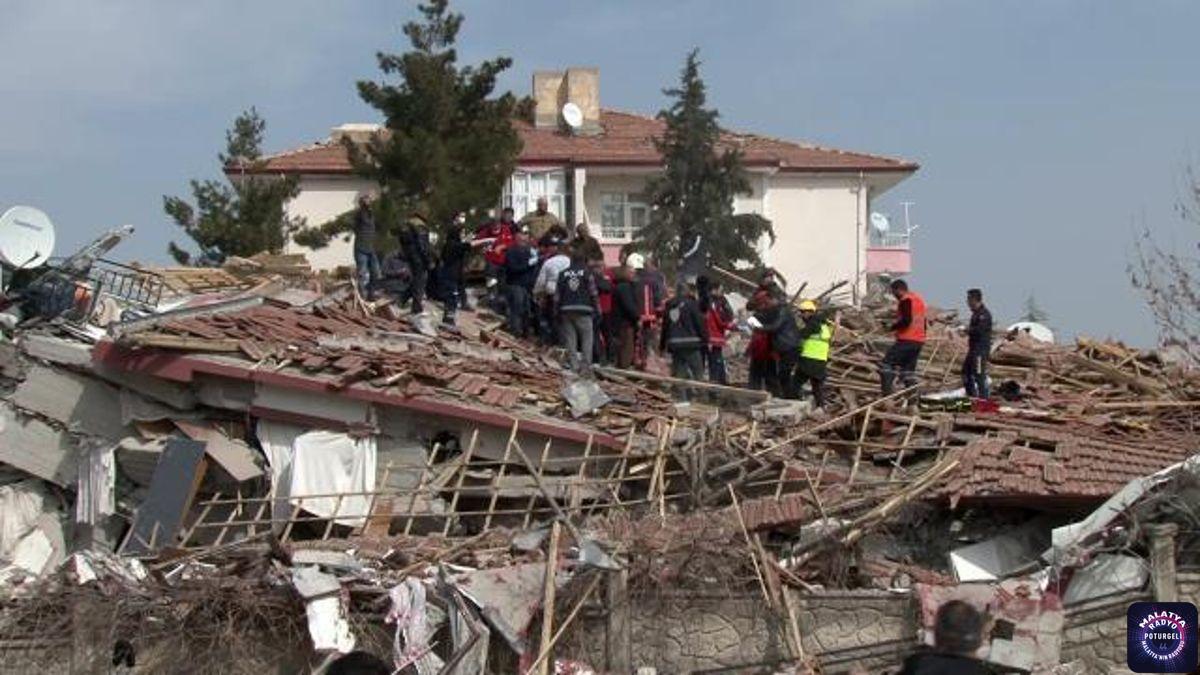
x=575 y=296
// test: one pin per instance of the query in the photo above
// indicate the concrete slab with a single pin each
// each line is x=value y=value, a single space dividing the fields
x=36 y=448
x=78 y=402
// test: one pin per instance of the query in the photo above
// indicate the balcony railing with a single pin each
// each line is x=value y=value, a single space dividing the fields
x=889 y=239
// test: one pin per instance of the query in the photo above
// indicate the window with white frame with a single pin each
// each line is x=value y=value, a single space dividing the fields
x=524 y=188
x=622 y=215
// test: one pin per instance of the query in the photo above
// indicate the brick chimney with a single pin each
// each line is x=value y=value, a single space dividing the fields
x=552 y=89
x=358 y=133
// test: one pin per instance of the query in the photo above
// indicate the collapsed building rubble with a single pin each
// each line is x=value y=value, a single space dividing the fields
x=250 y=465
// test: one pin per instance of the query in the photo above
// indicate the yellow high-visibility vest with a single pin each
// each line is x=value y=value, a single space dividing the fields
x=816 y=346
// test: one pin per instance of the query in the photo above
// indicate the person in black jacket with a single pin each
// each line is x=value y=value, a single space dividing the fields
x=684 y=335
x=575 y=301
x=625 y=316
x=450 y=272
x=414 y=241
x=979 y=347
x=957 y=634
x=520 y=272
x=776 y=319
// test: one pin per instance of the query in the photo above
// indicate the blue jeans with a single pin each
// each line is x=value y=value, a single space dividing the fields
x=366 y=268
x=716 y=365
x=516 y=302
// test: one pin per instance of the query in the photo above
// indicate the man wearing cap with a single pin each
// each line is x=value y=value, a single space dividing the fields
x=540 y=220
x=414 y=241
x=816 y=334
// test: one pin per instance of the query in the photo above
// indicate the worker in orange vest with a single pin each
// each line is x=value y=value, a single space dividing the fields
x=901 y=357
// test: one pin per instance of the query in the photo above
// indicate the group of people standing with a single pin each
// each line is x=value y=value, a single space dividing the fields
x=555 y=285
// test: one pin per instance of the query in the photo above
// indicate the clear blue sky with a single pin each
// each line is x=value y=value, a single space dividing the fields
x=1047 y=131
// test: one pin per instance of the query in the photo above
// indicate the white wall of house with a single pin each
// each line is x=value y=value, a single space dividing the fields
x=321 y=199
x=819 y=222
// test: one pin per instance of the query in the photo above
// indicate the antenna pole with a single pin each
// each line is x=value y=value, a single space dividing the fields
x=907 y=225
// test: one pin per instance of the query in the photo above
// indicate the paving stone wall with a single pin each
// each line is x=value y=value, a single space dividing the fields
x=688 y=632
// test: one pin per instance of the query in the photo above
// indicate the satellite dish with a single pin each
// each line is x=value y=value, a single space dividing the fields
x=1033 y=329
x=26 y=237
x=880 y=222
x=572 y=115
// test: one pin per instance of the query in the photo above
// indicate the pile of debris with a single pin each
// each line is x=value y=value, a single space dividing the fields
x=255 y=455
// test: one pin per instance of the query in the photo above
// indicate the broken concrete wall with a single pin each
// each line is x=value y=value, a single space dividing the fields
x=682 y=632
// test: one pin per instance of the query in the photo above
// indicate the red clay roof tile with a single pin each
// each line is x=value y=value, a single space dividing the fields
x=626 y=139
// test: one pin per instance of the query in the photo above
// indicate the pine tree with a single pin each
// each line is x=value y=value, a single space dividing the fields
x=1033 y=311
x=694 y=195
x=448 y=144
x=244 y=217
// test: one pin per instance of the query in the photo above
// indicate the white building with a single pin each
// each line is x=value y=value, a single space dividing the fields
x=818 y=199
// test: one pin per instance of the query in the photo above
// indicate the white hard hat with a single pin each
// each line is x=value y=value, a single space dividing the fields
x=635 y=261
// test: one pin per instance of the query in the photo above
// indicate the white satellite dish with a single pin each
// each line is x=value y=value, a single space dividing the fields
x=880 y=222
x=572 y=115
x=1033 y=329
x=26 y=237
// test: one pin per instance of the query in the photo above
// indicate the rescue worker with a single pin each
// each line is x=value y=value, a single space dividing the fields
x=366 y=260
x=684 y=335
x=496 y=236
x=776 y=320
x=520 y=272
x=979 y=347
x=546 y=286
x=816 y=334
x=909 y=328
x=575 y=300
x=764 y=362
x=414 y=241
x=652 y=296
x=586 y=244
x=718 y=316
x=540 y=220
x=450 y=272
x=625 y=317
x=605 y=347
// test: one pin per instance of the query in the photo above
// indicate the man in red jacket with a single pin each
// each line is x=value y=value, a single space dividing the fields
x=909 y=327
x=498 y=235
x=764 y=362
x=718 y=315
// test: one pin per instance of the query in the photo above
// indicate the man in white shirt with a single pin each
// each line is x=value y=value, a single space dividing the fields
x=546 y=286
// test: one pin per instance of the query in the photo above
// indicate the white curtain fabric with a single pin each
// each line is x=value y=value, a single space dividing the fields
x=96 y=484
x=323 y=463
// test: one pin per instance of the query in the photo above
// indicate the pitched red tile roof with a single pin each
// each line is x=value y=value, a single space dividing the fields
x=626 y=139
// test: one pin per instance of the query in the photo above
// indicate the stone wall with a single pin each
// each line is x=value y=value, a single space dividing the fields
x=1094 y=632
x=680 y=632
